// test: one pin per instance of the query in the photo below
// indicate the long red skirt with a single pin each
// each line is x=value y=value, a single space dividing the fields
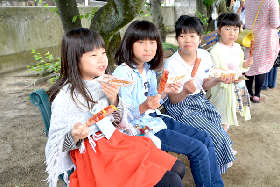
x=122 y=161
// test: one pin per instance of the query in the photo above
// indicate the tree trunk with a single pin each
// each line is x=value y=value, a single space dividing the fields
x=114 y=43
x=157 y=17
x=112 y=17
x=200 y=7
x=211 y=26
x=67 y=9
x=203 y=9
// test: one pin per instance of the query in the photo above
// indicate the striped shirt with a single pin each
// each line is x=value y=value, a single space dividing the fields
x=265 y=34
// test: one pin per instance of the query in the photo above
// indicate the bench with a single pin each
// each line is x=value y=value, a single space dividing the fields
x=168 y=53
x=208 y=40
x=40 y=99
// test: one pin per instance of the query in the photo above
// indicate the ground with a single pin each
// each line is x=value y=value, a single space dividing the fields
x=23 y=142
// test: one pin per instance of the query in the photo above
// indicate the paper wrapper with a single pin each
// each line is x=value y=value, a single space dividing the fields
x=117 y=80
x=222 y=73
x=172 y=78
x=242 y=77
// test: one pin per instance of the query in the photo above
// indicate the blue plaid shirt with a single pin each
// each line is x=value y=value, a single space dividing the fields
x=134 y=95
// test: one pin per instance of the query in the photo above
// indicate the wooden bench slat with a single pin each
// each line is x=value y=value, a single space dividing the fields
x=168 y=53
x=209 y=34
x=208 y=40
x=208 y=47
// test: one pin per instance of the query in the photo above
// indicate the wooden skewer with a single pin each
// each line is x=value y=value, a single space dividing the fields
x=199 y=85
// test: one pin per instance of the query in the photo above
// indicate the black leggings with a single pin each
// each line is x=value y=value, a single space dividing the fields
x=174 y=176
x=259 y=80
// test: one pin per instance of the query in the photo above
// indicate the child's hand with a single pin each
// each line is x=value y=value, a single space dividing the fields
x=152 y=102
x=242 y=3
x=248 y=62
x=111 y=90
x=227 y=80
x=79 y=131
x=237 y=81
x=232 y=2
x=171 y=88
x=189 y=87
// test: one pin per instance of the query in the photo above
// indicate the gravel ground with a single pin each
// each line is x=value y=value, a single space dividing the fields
x=22 y=141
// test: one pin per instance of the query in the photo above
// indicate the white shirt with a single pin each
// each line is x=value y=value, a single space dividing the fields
x=176 y=65
x=145 y=82
x=146 y=90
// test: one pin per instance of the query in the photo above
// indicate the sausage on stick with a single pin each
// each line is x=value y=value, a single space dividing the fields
x=195 y=67
x=163 y=81
x=252 y=46
x=99 y=116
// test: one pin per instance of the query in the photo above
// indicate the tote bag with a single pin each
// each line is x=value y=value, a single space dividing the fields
x=246 y=36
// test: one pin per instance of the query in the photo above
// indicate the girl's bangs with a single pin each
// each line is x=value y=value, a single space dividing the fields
x=230 y=20
x=146 y=33
x=94 y=42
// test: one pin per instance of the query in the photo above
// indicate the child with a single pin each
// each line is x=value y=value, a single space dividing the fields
x=226 y=54
x=189 y=105
x=138 y=55
x=100 y=154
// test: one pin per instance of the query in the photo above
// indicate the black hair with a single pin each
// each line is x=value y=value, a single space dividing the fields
x=74 y=44
x=187 y=24
x=229 y=19
x=139 y=30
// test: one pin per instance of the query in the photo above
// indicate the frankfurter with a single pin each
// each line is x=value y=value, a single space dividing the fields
x=195 y=67
x=252 y=46
x=100 y=115
x=163 y=81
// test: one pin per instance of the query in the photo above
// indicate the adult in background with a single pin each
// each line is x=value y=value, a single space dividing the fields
x=266 y=42
x=239 y=8
x=222 y=7
x=270 y=77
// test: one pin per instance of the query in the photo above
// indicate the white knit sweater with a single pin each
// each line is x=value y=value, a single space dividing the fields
x=65 y=113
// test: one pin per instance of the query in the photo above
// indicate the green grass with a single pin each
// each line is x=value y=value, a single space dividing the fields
x=166 y=46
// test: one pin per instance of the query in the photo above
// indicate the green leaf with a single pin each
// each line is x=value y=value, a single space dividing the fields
x=46 y=6
x=74 y=19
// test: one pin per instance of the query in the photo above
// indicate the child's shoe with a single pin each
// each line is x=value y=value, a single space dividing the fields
x=233 y=151
x=230 y=164
x=256 y=99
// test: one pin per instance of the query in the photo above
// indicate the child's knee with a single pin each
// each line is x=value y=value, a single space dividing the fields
x=179 y=168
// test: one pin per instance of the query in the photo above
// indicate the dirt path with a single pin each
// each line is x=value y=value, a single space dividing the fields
x=22 y=141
